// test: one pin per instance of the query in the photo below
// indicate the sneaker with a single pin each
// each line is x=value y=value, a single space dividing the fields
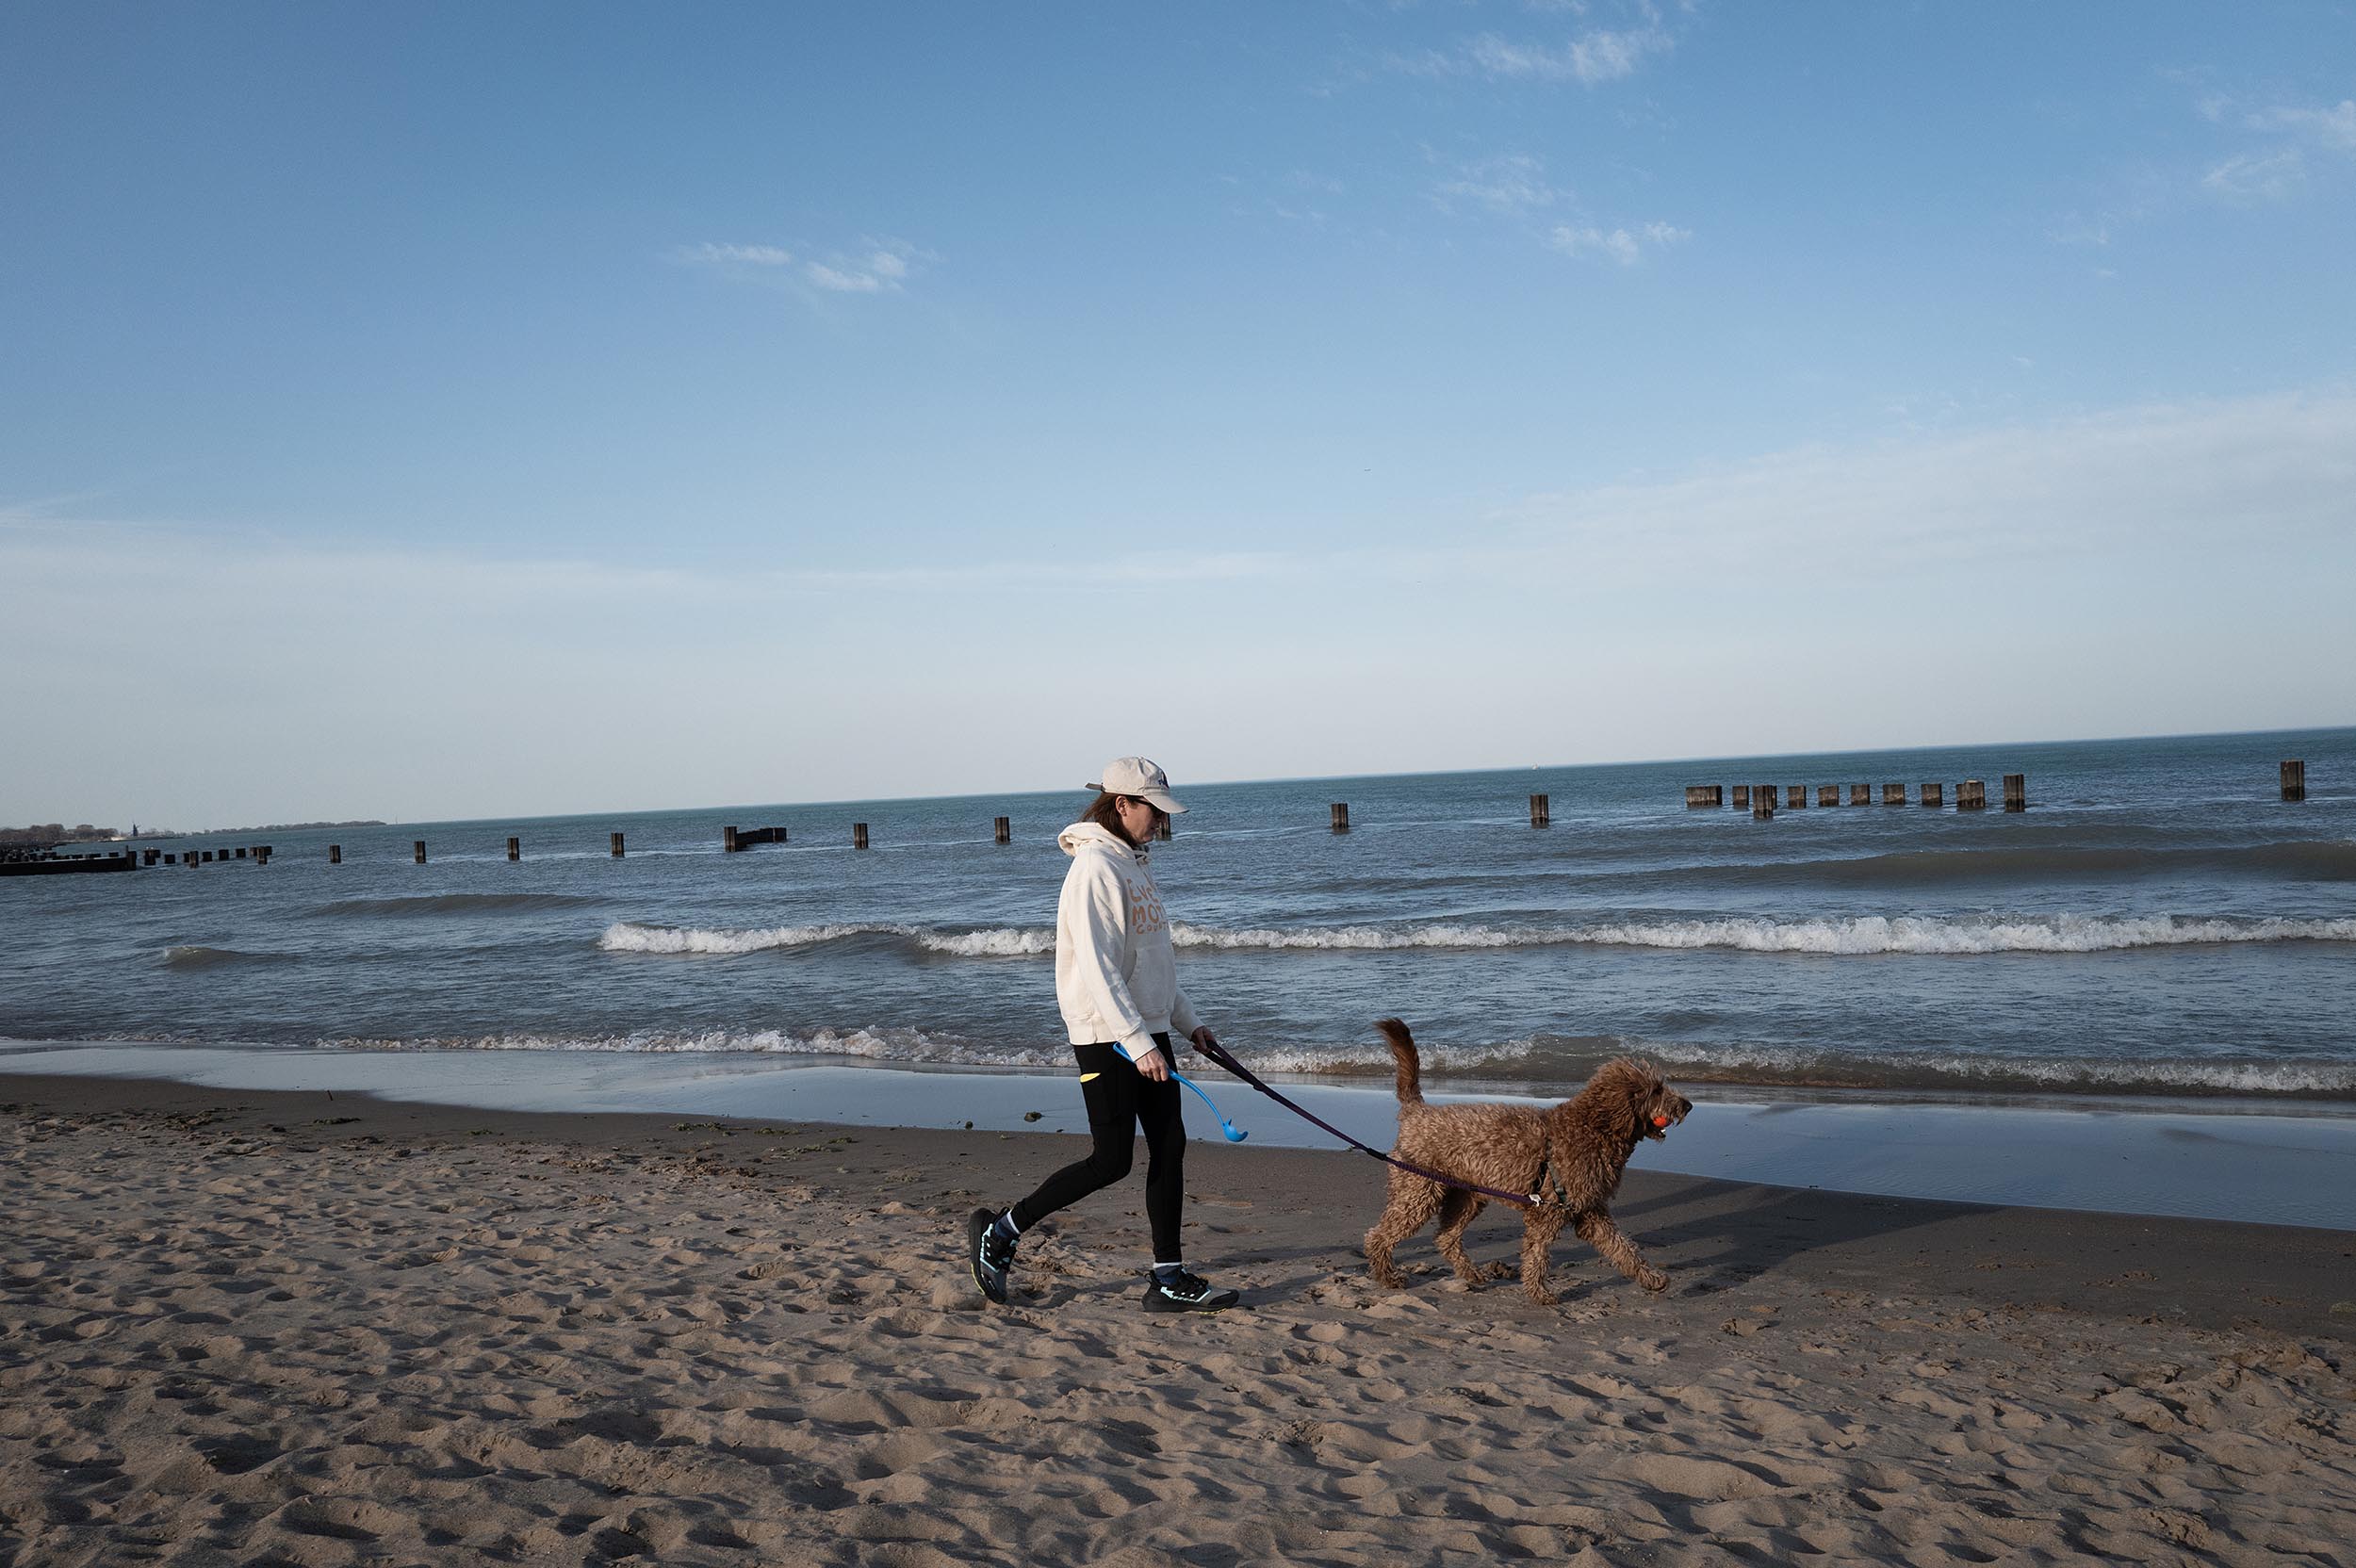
x=1176 y=1290
x=991 y=1254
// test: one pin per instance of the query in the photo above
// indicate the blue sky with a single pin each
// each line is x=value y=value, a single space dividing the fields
x=452 y=410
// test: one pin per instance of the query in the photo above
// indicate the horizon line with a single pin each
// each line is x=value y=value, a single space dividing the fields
x=1298 y=778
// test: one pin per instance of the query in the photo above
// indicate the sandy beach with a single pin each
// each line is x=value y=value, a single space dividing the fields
x=253 y=1327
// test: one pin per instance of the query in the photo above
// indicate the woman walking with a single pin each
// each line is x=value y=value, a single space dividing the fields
x=1117 y=983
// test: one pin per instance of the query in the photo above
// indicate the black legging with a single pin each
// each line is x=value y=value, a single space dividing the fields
x=1121 y=1099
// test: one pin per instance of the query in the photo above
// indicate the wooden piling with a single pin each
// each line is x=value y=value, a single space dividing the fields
x=1860 y=794
x=515 y=849
x=618 y=846
x=241 y=852
x=1341 y=816
x=2016 y=792
x=1762 y=801
x=261 y=854
x=151 y=856
x=1971 y=796
x=1161 y=828
x=172 y=859
x=1541 y=811
x=859 y=835
x=335 y=855
x=728 y=840
x=1699 y=795
x=1741 y=797
x=2295 y=780
x=1002 y=830
x=420 y=850
x=1933 y=794
x=1894 y=795
x=1827 y=794
x=1794 y=797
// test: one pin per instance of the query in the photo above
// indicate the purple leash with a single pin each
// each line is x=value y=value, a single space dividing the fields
x=1220 y=1055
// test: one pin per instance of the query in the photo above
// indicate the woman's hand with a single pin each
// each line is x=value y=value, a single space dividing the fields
x=1204 y=1040
x=1155 y=1067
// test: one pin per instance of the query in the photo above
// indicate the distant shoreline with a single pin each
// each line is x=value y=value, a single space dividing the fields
x=266 y=827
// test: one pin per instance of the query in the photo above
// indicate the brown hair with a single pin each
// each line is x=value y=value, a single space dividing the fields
x=1106 y=813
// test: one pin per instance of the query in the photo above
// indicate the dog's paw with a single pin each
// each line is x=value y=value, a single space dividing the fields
x=1497 y=1271
x=1653 y=1280
x=1539 y=1295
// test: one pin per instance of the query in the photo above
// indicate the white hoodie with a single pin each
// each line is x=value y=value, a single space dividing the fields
x=1116 y=976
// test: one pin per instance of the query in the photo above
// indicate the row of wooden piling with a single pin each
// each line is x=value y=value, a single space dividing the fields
x=732 y=840
x=1759 y=799
x=259 y=853
x=1970 y=796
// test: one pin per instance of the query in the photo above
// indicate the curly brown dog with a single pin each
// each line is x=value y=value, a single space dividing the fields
x=1573 y=1152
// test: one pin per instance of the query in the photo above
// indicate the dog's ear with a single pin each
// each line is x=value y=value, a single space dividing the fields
x=1626 y=1098
x=1649 y=1095
x=1653 y=1104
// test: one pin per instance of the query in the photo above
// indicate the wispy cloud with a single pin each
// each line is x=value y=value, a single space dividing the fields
x=1593 y=58
x=1588 y=59
x=1515 y=186
x=2257 y=155
x=1626 y=246
x=1512 y=183
x=2330 y=128
x=881 y=269
x=874 y=266
x=2279 y=167
x=711 y=254
x=2257 y=176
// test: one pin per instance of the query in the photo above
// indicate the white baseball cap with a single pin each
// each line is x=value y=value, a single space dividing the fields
x=1134 y=776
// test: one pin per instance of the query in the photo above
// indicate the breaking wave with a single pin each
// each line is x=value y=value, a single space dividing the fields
x=629 y=937
x=879 y=1044
x=1543 y=1064
x=948 y=1048
x=2321 y=861
x=1858 y=935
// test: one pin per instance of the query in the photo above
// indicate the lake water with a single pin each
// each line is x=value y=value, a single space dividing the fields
x=2157 y=923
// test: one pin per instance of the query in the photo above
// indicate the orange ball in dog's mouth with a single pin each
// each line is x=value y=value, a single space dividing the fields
x=1660 y=1122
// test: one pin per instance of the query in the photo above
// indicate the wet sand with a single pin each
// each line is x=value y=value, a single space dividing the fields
x=2285 y=1164
x=240 y=1327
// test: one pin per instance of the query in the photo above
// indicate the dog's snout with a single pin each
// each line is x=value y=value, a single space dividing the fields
x=1668 y=1110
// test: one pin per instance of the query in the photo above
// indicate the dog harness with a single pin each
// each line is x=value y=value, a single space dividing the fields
x=1553 y=1192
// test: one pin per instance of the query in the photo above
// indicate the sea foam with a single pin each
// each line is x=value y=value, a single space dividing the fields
x=631 y=936
x=1864 y=934
x=1835 y=935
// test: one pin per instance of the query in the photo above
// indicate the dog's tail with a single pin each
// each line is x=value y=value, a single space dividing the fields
x=1404 y=1051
